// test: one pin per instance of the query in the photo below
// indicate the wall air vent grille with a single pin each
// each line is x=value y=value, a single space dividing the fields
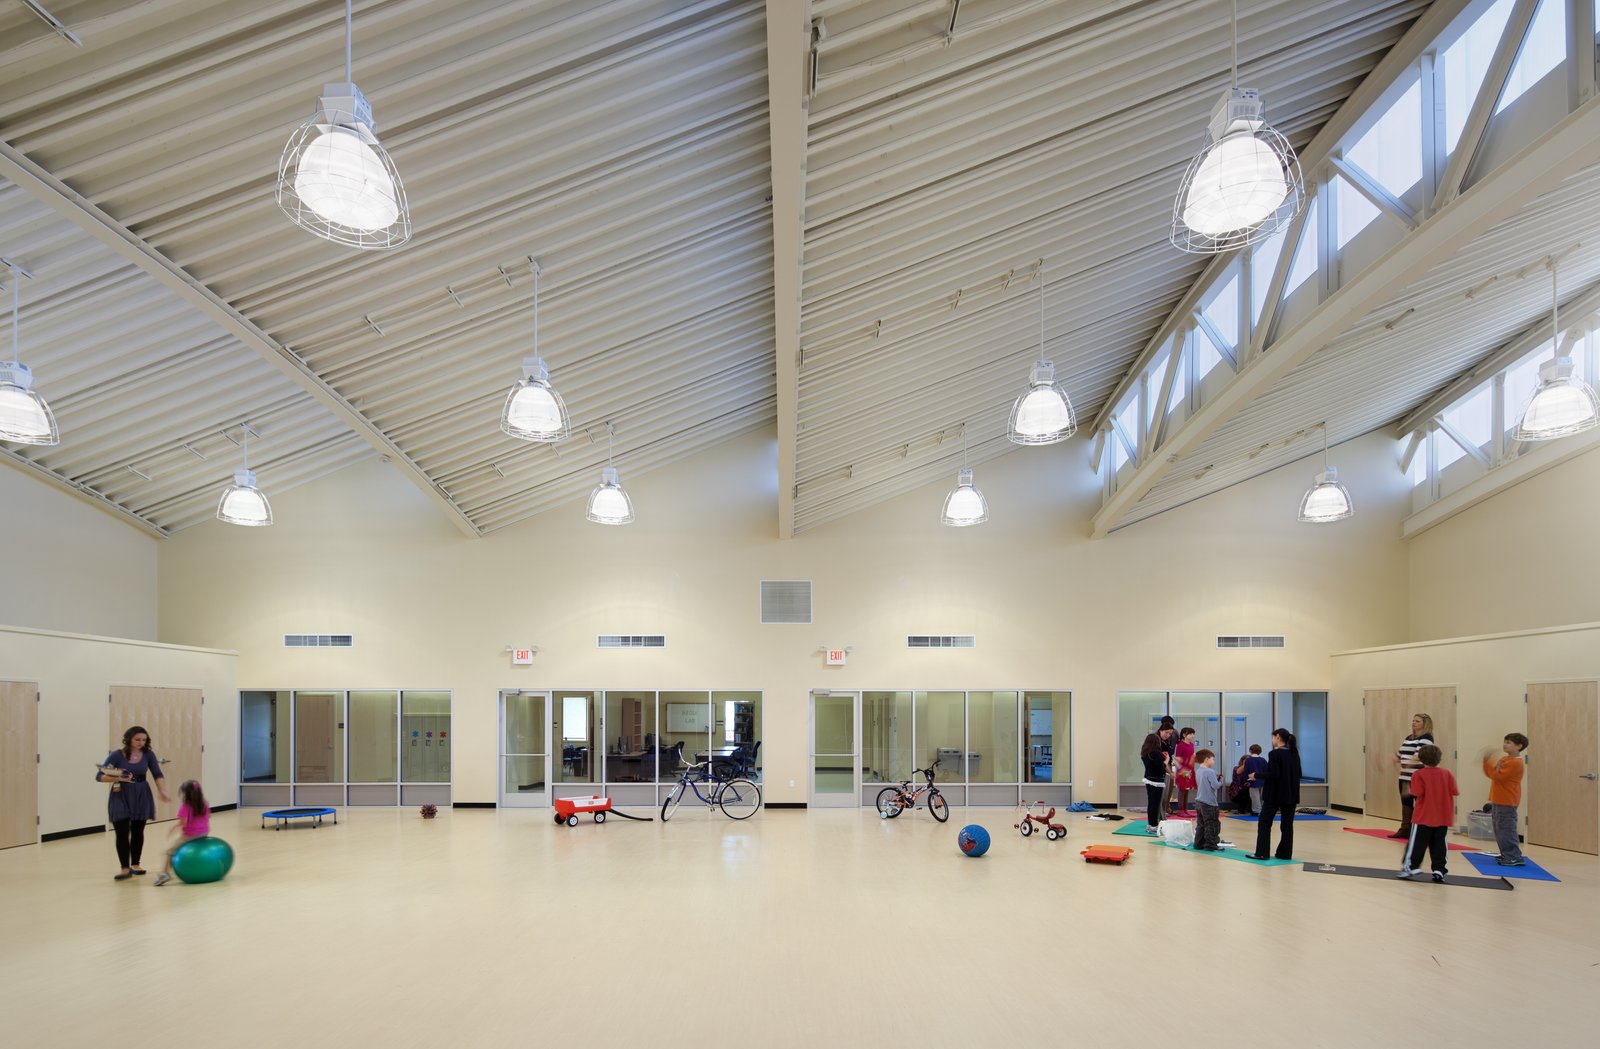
x=941 y=641
x=632 y=641
x=786 y=601
x=319 y=640
x=1249 y=640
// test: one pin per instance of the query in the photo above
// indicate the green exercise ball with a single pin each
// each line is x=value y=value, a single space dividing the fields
x=202 y=860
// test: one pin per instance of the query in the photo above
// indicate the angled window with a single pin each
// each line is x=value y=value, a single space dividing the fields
x=1522 y=378
x=1180 y=385
x=1263 y=260
x=1158 y=375
x=1543 y=49
x=1129 y=418
x=1391 y=150
x=1418 y=474
x=1463 y=66
x=1355 y=212
x=1221 y=308
x=1473 y=417
x=1305 y=260
x=1206 y=356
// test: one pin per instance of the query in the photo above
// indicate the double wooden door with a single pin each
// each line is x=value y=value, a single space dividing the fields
x=1388 y=716
x=172 y=716
x=19 y=763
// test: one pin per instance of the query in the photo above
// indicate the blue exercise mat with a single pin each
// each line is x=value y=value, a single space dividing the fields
x=1299 y=817
x=1484 y=863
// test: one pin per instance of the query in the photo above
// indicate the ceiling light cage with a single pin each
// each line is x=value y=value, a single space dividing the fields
x=965 y=505
x=533 y=410
x=1326 y=501
x=1243 y=186
x=25 y=416
x=336 y=180
x=1563 y=404
x=609 y=503
x=243 y=502
x=1042 y=412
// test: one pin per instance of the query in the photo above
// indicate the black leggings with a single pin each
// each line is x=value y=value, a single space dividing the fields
x=130 y=841
x=1152 y=797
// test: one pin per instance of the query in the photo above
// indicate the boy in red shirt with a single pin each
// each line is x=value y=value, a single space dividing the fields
x=1505 y=794
x=1435 y=792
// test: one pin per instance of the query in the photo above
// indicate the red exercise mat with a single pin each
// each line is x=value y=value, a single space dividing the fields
x=1379 y=832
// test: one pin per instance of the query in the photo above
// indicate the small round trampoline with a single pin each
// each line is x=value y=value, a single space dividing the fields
x=283 y=816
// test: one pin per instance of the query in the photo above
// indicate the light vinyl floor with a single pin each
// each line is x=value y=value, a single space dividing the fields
x=794 y=928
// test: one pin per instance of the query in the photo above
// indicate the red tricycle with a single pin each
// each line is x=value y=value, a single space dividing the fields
x=1052 y=831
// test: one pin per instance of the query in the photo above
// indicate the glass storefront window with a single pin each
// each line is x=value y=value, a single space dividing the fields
x=886 y=732
x=940 y=734
x=373 y=735
x=1047 y=732
x=319 y=737
x=1306 y=715
x=630 y=737
x=686 y=718
x=425 y=737
x=1137 y=715
x=1246 y=719
x=738 y=731
x=993 y=750
x=577 y=726
x=525 y=743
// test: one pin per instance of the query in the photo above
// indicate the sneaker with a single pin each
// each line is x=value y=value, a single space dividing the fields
x=1405 y=872
x=1502 y=861
x=1154 y=832
x=1400 y=835
x=1438 y=876
x=1224 y=844
x=163 y=878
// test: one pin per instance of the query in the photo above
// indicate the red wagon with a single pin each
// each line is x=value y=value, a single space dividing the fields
x=567 y=809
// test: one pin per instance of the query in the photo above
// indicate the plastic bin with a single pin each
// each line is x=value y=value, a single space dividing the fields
x=1480 y=826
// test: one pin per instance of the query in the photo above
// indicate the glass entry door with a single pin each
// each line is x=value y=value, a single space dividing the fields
x=835 y=749
x=524 y=749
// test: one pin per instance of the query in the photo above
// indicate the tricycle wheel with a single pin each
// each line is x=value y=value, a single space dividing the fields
x=1026 y=828
x=1051 y=835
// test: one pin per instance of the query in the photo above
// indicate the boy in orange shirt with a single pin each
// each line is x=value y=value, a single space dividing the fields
x=1435 y=792
x=1505 y=794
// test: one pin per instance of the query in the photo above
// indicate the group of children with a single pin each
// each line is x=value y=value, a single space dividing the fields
x=1433 y=793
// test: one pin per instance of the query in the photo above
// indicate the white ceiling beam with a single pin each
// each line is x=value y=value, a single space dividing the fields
x=81 y=212
x=1574 y=143
x=789 y=46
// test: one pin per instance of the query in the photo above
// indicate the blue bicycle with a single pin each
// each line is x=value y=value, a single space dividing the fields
x=738 y=798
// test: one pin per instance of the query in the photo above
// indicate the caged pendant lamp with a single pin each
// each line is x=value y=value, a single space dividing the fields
x=534 y=411
x=335 y=179
x=965 y=505
x=1563 y=404
x=1327 y=500
x=1042 y=413
x=1245 y=183
x=608 y=503
x=25 y=417
x=243 y=503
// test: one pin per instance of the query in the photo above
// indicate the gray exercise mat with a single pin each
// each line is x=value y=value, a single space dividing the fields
x=1420 y=878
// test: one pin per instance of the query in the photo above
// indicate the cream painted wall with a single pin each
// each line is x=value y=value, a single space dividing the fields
x=1490 y=675
x=363 y=552
x=71 y=566
x=1527 y=557
x=75 y=673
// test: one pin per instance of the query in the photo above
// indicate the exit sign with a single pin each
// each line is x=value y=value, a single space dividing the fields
x=521 y=657
x=835 y=657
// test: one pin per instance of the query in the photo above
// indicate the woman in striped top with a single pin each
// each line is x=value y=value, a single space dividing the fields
x=1406 y=757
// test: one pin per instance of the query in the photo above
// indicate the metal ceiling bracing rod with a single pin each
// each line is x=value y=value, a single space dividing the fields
x=53 y=22
x=83 y=213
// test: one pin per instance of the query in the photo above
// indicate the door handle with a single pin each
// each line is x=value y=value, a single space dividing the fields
x=1588 y=776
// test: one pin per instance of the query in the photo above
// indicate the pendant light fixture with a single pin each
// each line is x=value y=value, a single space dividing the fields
x=243 y=503
x=1042 y=413
x=608 y=503
x=534 y=411
x=1245 y=183
x=965 y=505
x=1563 y=404
x=335 y=179
x=1327 y=500
x=25 y=417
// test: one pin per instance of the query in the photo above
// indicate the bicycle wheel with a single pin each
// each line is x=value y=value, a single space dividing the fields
x=938 y=806
x=739 y=799
x=670 y=806
x=889 y=802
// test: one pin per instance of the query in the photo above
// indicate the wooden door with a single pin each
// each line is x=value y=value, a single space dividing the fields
x=313 y=737
x=173 y=717
x=1388 y=716
x=19 y=763
x=1561 y=789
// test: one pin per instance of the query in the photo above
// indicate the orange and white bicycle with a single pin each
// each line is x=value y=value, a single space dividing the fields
x=892 y=801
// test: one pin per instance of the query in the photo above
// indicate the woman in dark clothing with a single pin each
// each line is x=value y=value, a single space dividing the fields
x=130 y=807
x=1154 y=757
x=1279 y=798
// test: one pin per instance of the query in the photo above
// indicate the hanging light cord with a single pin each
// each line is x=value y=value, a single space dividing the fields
x=1235 y=43
x=347 y=31
x=1555 y=310
x=1041 y=318
x=1324 y=447
x=963 y=444
x=16 y=310
x=246 y=436
x=536 y=312
x=609 y=464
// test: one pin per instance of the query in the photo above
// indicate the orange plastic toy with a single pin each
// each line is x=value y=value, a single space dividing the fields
x=1106 y=854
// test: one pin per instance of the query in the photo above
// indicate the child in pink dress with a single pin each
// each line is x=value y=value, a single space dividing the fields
x=194 y=821
x=1183 y=778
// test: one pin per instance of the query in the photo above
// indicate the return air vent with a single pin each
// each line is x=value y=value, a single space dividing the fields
x=941 y=641
x=786 y=601
x=319 y=641
x=1249 y=640
x=632 y=641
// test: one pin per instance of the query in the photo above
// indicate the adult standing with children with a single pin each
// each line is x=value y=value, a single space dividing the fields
x=1406 y=757
x=131 y=805
x=1279 y=796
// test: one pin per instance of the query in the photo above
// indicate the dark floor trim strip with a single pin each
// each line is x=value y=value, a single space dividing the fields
x=786 y=805
x=59 y=834
x=223 y=808
x=473 y=805
x=1350 y=808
